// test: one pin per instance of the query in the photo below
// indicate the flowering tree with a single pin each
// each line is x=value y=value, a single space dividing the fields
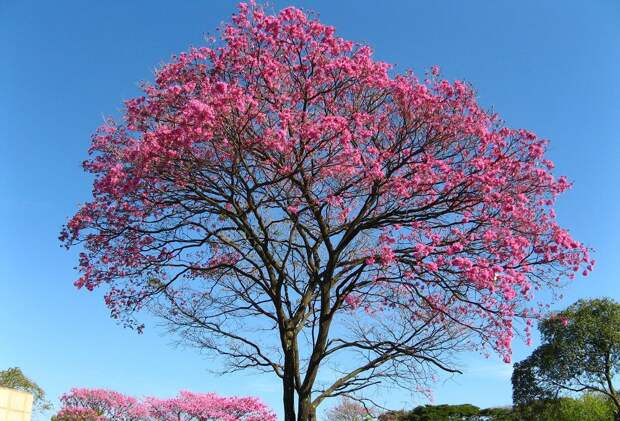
x=349 y=410
x=106 y=405
x=190 y=406
x=100 y=405
x=282 y=199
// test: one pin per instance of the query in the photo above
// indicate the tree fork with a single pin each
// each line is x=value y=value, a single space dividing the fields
x=307 y=411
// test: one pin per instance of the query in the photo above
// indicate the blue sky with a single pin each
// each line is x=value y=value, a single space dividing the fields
x=552 y=67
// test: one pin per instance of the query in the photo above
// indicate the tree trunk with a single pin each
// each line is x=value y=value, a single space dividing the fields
x=307 y=411
x=288 y=383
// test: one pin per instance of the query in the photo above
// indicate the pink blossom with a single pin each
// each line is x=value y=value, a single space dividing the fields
x=105 y=405
x=211 y=165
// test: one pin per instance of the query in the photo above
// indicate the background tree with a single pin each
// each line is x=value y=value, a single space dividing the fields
x=283 y=200
x=14 y=378
x=464 y=412
x=586 y=407
x=497 y=414
x=349 y=410
x=108 y=405
x=580 y=353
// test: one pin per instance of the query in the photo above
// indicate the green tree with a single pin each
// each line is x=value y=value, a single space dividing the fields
x=587 y=407
x=14 y=378
x=465 y=412
x=580 y=353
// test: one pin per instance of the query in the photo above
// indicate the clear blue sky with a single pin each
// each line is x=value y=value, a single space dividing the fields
x=549 y=66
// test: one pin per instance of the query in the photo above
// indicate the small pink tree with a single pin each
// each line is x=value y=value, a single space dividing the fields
x=349 y=410
x=100 y=405
x=78 y=414
x=189 y=406
x=105 y=405
x=287 y=201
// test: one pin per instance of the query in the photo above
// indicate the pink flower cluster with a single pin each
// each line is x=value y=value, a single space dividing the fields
x=106 y=405
x=456 y=209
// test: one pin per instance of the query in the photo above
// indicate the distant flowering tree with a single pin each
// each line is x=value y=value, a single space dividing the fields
x=106 y=405
x=190 y=406
x=349 y=410
x=282 y=182
x=100 y=405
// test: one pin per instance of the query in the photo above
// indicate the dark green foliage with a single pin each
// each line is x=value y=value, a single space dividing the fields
x=587 y=407
x=580 y=353
x=465 y=412
x=526 y=384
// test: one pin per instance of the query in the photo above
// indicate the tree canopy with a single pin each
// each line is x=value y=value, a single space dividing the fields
x=349 y=410
x=463 y=412
x=108 y=405
x=580 y=352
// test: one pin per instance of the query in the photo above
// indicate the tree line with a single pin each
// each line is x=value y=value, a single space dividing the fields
x=570 y=376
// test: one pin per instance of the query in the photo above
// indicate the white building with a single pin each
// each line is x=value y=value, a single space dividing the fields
x=15 y=405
